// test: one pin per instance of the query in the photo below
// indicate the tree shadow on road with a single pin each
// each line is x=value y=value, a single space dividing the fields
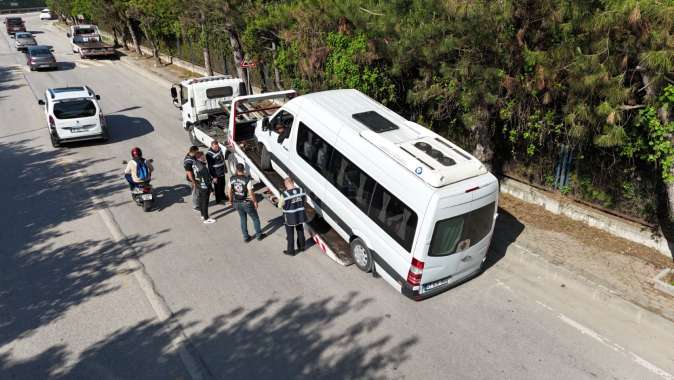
x=7 y=75
x=44 y=269
x=289 y=339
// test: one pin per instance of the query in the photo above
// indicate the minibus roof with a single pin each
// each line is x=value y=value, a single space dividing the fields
x=430 y=157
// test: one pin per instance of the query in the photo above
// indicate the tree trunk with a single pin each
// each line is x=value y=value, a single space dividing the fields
x=484 y=150
x=237 y=51
x=115 y=40
x=264 y=74
x=205 y=47
x=134 y=39
x=277 y=74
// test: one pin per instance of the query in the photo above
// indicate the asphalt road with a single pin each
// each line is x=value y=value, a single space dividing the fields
x=86 y=277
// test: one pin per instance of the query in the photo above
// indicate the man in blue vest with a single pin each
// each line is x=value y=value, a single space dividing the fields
x=292 y=202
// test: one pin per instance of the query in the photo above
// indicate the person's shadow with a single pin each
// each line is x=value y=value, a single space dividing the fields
x=168 y=195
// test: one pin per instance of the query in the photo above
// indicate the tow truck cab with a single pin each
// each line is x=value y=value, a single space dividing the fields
x=202 y=99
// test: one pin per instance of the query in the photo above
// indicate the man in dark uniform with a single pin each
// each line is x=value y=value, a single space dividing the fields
x=188 y=163
x=242 y=198
x=292 y=202
x=217 y=168
x=203 y=183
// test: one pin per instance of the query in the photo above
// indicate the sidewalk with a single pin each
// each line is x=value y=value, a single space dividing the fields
x=624 y=268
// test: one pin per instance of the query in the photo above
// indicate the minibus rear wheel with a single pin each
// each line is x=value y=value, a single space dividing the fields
x=361 y=255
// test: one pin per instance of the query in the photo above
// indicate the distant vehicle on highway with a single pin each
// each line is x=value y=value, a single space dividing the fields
x=46 y=14
x=40 y=57
x=23 y=40
x=86 y=40
x=14 y=25
x=73 y=114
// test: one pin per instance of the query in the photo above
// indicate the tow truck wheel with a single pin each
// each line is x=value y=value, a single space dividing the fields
x=361 y=255
x=265 y=158
x=193 y=138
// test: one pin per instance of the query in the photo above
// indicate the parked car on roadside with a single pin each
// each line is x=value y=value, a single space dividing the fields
x=46 y=14
x=14 y=24
x=40 y=57
x=23 y=40
x=73 y=114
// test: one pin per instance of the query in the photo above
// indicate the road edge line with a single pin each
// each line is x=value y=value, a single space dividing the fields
x=193 y=364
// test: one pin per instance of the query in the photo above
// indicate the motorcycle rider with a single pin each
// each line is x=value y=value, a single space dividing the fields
x=131 y=171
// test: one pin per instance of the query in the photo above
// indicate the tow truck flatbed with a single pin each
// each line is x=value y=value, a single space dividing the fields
x=244 y=149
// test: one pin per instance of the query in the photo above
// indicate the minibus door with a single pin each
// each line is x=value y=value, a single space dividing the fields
x=446 y=249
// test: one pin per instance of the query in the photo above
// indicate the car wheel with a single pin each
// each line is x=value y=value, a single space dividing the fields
x=55 y=142
x=361 y=255
x=265 y=158
x=32 y=68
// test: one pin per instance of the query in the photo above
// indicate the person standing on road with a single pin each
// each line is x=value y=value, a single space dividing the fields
x=292 y=203
x=188 y=164
x=217 y=168
x=203 y=181
x=242 y=198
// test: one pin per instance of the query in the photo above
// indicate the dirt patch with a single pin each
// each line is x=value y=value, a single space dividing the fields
x=538 y=216
x=624 y=267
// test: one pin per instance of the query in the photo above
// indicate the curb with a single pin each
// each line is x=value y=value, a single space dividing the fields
x=617 y=227
x=660 y=284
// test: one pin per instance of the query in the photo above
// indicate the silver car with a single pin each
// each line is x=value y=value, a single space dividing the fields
x=40 y=57
x=23 y=40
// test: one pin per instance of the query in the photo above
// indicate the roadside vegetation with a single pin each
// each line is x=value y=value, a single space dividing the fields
x=574 y=96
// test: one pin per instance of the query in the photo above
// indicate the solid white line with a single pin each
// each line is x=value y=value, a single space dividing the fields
x=179 y=341
x=615 y=347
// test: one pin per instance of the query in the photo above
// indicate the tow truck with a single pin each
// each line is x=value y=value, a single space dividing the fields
x=218 y=107
x=87 y=42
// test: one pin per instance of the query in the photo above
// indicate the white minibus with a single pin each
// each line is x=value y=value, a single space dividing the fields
x=413 y=207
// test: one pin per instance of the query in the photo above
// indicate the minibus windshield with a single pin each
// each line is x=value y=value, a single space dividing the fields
x=461 y=232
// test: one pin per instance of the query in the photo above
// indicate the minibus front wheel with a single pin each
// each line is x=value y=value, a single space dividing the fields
x=361 y=254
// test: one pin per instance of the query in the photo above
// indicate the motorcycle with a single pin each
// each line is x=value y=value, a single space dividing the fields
x=142 y=193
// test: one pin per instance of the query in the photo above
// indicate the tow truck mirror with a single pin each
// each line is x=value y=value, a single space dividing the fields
x=174 y=93
x=40 y=102
x=68 y=34
x=98 y=97
x=265 y=123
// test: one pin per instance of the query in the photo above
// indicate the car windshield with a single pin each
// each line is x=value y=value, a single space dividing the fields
x=14 y=21
x=461 y=232
x=40 y=52
x=85 y=31
x=72 y=109
x=24 y=35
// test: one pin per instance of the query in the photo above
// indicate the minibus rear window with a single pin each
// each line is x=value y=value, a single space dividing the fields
x=461 y=232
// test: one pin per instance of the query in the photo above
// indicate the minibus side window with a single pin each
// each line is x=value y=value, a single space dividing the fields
x=393 y=216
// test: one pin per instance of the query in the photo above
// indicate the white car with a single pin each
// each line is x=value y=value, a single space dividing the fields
x=46 y=14
x=73 y=114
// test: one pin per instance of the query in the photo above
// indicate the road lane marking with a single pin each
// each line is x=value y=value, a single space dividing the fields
x=615 y=347
x=180 y=342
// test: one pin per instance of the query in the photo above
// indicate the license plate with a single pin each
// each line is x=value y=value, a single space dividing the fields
x=146 y=197
x=79 y=130
x=436 y=284
x=45 y=66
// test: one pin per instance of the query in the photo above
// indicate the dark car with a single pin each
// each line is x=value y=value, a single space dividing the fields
x=40 y=57
x=14 y=24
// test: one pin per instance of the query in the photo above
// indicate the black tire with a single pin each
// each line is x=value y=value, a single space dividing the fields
x=193 y=138
x=361 y=255
x=55 y=142
x=147 y=206
x=265 y=158
x=32 y=68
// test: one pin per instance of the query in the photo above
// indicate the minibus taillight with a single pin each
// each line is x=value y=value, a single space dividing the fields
x=414 y=275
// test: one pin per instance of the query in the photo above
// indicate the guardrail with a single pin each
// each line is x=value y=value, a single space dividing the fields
x=20 y=10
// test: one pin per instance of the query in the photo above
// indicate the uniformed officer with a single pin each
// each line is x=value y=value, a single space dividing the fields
x=292 y=202
x=188 y=164
x=242 y=198
x=217 y=168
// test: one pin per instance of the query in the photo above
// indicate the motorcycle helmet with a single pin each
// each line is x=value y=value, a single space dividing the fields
x=136 y=152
